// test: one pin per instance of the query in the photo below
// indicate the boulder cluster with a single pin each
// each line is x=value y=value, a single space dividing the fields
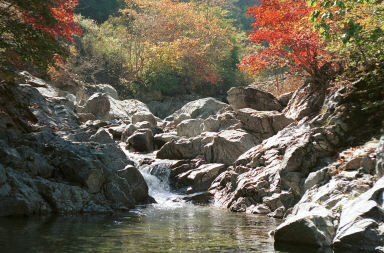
x=292 y=157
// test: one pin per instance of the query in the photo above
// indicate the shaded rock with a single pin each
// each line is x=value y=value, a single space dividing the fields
x=284 y=98
x=117 y=131
x=273 y=202
x=190 y=128
x=141 y=140
x=128 y=131
x=102 y=136
x=84 y=117
x=199 y=198
x=250 y=97
x=380 y=158
x=310 y=225
x=161 y=139
x=136 y=182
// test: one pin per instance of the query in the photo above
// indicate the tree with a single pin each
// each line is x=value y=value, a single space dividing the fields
x=285 y=31
x=35 y=32
x=99 y=10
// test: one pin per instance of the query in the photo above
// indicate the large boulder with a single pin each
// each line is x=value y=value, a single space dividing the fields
x=228 y=145
x=310 y=224
x=306 y=101
x=125 y=109
x=181 y=149
x=85 y=92
x=264 y=124
x=190 y=128
x=141 y=140
x=144 y=116
x=361 y=221
x=201 y=108
x=251 y=97
x=98 y=104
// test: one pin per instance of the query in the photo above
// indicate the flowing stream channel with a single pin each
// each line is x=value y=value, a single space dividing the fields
x=170 y=225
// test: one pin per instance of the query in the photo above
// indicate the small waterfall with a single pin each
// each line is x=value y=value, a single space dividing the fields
x=156 y=174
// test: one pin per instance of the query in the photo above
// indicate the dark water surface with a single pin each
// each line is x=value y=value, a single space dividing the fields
x=172 y=228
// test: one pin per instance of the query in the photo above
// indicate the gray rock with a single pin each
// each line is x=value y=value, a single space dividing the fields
x=141 y=140
x=315 y=178
x=278 y=213
x=259 y=209
x=273 y=202
x=200 y=178
x=190 y=128
x=3 y=175
x=128 y=131
x=181 y=149
x=84 y=117
x=161 y=139
x=310 y=225
x=228 y=145
x=201 y=108
x=102 y=136
x=265 y=124
x=306 y=101
x=98 y=104
x=144 y=116
x=284 y=98
x=380 y=158
x=250 y=97
x=361 y=221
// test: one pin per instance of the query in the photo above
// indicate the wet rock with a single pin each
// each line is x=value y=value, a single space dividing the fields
x=199 y=198
x=190 y=128
x=135 y=180
x=278 y=213
x=3 y=175
x=259 y=209
x=250 y=97
x=141 y=140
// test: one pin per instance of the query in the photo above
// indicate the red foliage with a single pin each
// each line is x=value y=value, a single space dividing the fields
x=285 y=27
x=64 y=24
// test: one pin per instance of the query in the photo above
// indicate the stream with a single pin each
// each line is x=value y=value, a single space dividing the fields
x=170 y=225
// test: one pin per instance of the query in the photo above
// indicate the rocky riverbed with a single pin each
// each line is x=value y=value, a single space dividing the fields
x=304 y=157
